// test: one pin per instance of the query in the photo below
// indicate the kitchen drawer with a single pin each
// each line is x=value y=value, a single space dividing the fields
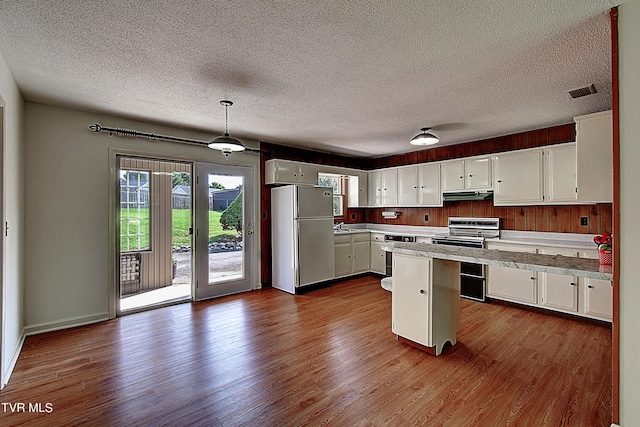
x=377 y=237
x=360 y=237
x=342 y=238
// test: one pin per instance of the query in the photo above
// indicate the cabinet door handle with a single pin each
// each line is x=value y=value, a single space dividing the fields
x=573 y=284
x=532 y=278
x=590 y=286
x=470 y=175
x=499 y=180
x=422 y=291
x=461 y=176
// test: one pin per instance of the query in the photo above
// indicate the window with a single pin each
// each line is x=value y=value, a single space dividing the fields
x=335 y=182
x=134 y=211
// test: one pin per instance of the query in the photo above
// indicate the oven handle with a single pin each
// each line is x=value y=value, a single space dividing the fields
x=471 y=275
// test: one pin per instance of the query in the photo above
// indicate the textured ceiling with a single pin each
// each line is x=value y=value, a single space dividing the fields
x=351 y=77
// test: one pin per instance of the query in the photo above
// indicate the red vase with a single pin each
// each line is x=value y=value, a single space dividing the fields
x=605 y=256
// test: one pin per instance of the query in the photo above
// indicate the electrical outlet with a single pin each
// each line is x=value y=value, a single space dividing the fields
x=426 y=218
x=353 y=216
x=584 y=221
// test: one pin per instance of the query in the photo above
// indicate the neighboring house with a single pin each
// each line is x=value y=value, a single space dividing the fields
x=134 y=196
x=134 y=189
x=181 y=197
x=220 y=199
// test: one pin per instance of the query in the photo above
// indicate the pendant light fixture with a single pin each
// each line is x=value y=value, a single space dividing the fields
x=227 y=144
x=424 y=138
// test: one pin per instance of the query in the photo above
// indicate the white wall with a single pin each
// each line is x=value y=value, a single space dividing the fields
x=12 y=181
x=628 y=239
x=67 y=181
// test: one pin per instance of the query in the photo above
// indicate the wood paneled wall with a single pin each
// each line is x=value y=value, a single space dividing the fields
x=155 y=265
x=560 y=219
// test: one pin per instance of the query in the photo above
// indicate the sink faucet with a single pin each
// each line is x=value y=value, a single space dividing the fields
x=338 y=226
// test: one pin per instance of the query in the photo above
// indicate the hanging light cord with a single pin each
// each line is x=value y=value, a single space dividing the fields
x=153 y=137
x=226 y=118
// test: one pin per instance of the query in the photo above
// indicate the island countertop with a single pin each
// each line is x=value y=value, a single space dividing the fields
x=557 y=264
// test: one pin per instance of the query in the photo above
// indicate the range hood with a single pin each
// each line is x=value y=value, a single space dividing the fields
x=467 y=195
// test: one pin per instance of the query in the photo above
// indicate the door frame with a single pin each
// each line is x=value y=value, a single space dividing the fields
x=2 y=248
x=113 y=261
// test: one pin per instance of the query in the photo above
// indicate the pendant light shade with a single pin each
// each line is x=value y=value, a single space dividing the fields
x=424 y=138
x=227 y=144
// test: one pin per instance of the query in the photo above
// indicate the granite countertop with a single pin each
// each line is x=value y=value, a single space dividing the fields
x=531 y=238
x=558 y=264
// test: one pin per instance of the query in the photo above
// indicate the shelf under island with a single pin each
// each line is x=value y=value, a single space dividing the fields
x=426 y=285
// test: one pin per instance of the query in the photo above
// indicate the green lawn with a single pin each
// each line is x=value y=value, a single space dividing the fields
x=181 y=224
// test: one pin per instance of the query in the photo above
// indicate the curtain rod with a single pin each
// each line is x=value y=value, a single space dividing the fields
x=151 y=136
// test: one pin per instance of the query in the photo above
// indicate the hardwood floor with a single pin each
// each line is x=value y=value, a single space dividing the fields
x=328 y=357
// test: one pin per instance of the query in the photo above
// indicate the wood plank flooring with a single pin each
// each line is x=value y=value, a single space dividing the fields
x=328 y=357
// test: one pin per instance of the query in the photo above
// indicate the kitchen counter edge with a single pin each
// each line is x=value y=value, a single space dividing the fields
x=557 y=264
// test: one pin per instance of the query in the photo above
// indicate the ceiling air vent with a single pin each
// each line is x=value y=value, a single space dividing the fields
x=582 y=91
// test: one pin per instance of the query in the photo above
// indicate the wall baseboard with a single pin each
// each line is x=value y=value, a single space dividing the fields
x=65 y=324
x=14 y=359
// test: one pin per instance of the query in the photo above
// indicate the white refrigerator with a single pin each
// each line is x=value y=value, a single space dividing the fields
x=302 y=249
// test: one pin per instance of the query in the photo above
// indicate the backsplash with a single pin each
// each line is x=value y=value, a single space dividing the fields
x=558 y=219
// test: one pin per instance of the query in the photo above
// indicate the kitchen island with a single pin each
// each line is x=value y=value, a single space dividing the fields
x=426 y=285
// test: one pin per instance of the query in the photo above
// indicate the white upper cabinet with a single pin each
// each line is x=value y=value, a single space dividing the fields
x=358 y=190
x=594 y=138
x=535 y=176
x=478 y=173
x=452 y=175
x=408 y=186
x=419 y=185
x=389 y=187
x=473 y=173
x=383 y=186
x=279 y=171
x=375 y=188
x=429 y=192
x=560 y=176
x=518 y=178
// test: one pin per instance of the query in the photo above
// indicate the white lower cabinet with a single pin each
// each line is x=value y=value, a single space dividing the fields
x=378 y=256
x=574 y=295
x=558 y=291
x=425 y=300
x=597 y=295
x=351 y=253
x=512 y=284
x=598 y=301
x=360 y=252
x=342 y=250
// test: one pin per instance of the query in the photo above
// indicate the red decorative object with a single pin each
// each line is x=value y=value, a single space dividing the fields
x=605 y=244
x=604 y=255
